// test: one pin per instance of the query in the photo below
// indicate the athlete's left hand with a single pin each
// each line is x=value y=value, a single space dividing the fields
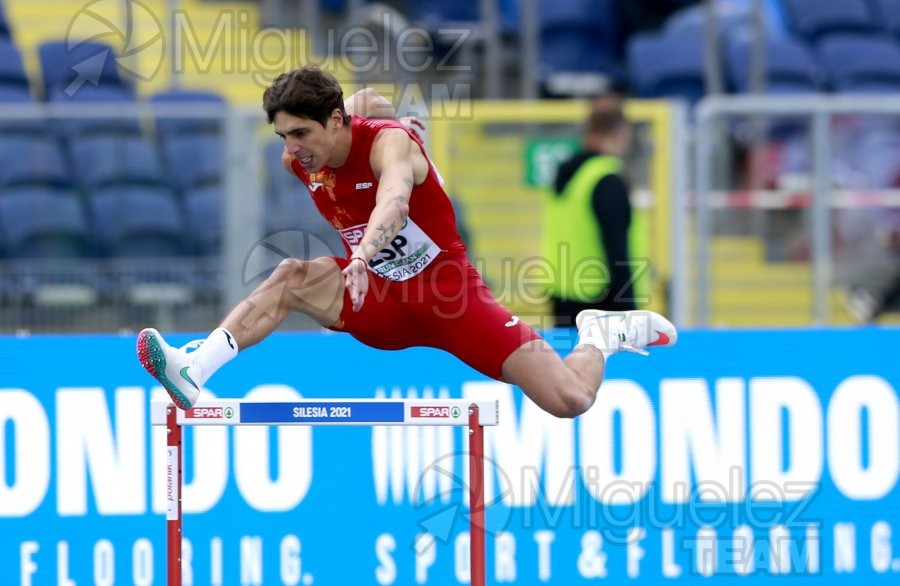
x=356 y=280
x=413 y=124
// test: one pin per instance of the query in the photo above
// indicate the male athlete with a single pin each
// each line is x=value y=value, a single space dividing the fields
x=406 y=280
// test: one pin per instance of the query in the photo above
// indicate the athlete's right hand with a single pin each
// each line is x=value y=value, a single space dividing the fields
x=356 y=280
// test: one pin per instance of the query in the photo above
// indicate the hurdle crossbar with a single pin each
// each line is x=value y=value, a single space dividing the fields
x=333 y=412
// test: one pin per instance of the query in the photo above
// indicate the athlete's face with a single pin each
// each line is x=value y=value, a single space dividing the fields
x=313 y=145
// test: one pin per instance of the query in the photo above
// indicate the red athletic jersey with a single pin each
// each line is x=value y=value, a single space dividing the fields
x=345 y=196
x=445 y=304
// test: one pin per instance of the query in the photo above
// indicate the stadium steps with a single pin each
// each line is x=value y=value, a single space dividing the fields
x=747 y=291
x=503 y=215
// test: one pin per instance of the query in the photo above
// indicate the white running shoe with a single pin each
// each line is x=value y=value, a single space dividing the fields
x=631 y=331
x=174 y=368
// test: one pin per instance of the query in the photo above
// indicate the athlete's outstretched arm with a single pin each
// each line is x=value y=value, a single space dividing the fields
x=392 y=161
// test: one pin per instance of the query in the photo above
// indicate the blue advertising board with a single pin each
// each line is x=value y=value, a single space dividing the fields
x=732 y=458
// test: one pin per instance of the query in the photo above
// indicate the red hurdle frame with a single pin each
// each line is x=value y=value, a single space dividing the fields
x=174 y=479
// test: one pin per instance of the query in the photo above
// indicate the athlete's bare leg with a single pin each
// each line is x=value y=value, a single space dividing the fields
x=564 y=388
x=567 y=388
x=314 y=287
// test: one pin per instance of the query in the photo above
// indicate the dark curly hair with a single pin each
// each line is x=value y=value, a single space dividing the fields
x=307 y=92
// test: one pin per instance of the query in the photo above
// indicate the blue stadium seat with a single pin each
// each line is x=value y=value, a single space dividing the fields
x=278 y=180
x=435 y=14
x=294 y=217
x=813 y=19
x=12 y=71
x=5 y=31
x=103 y=121
x=32 y=160
x=45 y=237
x=104 y=160
x=194 y=161
x=888 y=14
x=169 y=126
x=290 y=211
x=136 y=221
x=790 y=67
x=15 y=88
x=42 y=222
x=579 y=42
x=204 y=208
x=734 y=19
x=68 y=67
x=861 y=64
x=691 y=21
x=666 y=67
x=10 y=93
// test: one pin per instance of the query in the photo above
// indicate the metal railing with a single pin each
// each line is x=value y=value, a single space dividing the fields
x=714 y=117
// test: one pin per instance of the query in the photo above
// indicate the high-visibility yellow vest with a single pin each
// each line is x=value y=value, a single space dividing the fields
x=572 y=242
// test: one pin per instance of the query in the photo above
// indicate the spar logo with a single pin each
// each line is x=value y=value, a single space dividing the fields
x=432 y=411
x=209 y=413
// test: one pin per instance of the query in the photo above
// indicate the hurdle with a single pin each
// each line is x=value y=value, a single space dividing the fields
x=331 y=412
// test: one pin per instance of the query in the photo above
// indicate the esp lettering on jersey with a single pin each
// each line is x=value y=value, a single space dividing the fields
x=406 y=256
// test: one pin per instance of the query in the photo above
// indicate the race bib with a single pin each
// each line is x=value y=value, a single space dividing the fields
x=408 y=254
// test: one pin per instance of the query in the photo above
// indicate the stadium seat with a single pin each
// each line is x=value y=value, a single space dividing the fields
x=691 y=21
x=814 y=19
x=167 y=126
x=45 y=237
x=294 y=217
x=12 y=71
x=861 y=64
x=10 y=93
x=290 y=211
x=111 y=118
x=69 y=67
x=203 y=212
x=666 y=67
x=104 y=160
x=32 y=160
x=136 y=221
x=888 y=14
x=579 y=42
x=734 y=20
x=435 y=14
x=278 y=180
x=5 y=31
x=790 y=67
x=42 y=222
x=143 y=233
x=194 y=161
x=15 y=88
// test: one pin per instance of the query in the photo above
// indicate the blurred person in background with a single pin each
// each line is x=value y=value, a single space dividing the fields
x=588 y=223
x=880 y=292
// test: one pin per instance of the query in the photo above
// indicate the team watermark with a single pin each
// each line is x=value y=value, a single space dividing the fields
x=146 y=44
x=769 y=529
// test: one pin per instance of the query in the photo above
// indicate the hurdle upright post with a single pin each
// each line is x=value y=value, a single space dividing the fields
x=476 y=499
x=173 y=495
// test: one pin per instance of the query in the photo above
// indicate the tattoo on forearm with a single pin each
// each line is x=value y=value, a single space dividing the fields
x=382 y=238
x=387 y=232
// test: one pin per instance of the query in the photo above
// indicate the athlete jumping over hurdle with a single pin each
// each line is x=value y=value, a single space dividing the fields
x=406 y=280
